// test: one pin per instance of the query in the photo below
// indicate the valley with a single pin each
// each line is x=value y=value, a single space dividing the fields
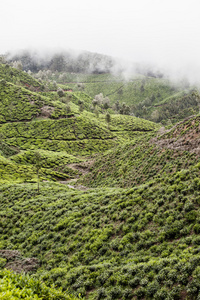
x=99 y=184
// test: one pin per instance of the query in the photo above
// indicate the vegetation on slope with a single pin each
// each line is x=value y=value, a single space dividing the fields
x=172 y=109
x=6 y=150
x=21 y=172
x=155 y=99
x=73 y=135
x=18 y=77
x=69 y=61
x=18 y=104
x=131 y=91
x=135 y=233
x=150 y=95
x=49 y=159
x=15 y=286
x=129 y=123
x=145 y=157
x=83 y=134
x=110 y=243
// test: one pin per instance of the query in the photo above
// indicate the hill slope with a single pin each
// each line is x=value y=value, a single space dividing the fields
x=110 y=243
x=146 y=157
x=15 y=76
x=128 y=229
x=155 y=99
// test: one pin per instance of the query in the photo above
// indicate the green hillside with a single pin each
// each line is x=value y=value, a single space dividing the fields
x=18 y=77
x=60 y=139
x=22 y=167
x=149 y=94
x=110 y=243
x=131 y=91
x=96 y=204
x=148 y=156
x=155 y=99
x=18 y=103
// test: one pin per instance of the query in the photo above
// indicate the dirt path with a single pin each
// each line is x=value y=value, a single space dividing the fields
x=70 y=184
x=83 y=168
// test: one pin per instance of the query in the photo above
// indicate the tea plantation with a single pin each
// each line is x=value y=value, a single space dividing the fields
x=148 y=156
x=109 y=208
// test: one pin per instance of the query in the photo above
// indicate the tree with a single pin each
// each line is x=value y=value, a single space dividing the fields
x=196 y=96
x=67 y=109
x=124 y=109
x=94 y=102
x=81 y=105
x=127 y=110
x=155 y=116
x=142 y=88
x=38 y=166
x=80 y=86
x=98 y=99
x=120 y=92
x=117 y=105
x=55 y=86
x=108 y=119
x=106 y=103
x=2 y=59
x=60 y=92
x=18 y=65
x=57 y=63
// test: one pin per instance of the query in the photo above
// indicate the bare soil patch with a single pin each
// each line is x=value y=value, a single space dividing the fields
x=17 y=263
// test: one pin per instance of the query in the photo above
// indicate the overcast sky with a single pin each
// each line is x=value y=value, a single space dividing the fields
x=165 y=32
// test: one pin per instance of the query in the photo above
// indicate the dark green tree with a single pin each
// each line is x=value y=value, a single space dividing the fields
x=117 y=105
x=57 y=63
x=81 y=106
x=80 y=86
x=60 y=92
x=108 y=119
x=67 y=109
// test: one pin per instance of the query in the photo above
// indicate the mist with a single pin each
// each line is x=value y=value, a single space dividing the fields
x=160 y=34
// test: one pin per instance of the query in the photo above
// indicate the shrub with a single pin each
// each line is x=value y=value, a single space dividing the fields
x=152 y=288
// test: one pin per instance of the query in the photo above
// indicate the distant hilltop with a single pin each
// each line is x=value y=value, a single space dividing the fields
x=79 y=62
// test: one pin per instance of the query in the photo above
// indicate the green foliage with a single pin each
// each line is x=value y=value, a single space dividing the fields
x=15 y=76
x=49 y=159
x=6 y=150
x=155 y=99
x=18 y=103
x=12 y=172
x=73 y=135
x=175 y=108
x=22 y=168
x=146 y=156
x=108 y=119
x=15 y=286
x=123 y=240
x=79 y=135
x=3 y=262
x=134 y=233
